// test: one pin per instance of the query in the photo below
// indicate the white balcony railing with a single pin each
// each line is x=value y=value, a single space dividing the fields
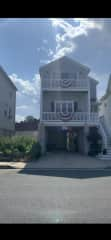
x=70 y=117
x=65 y=84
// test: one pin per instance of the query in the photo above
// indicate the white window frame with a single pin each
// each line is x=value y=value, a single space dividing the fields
x=61 y=102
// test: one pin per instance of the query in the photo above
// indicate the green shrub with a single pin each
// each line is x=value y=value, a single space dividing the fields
x=16 y=144
x=35 y=150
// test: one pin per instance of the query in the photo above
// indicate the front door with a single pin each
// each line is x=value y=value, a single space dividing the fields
x=64 y=106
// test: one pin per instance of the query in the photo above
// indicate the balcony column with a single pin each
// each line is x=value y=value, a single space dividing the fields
x=42 y=137
x=86 y=144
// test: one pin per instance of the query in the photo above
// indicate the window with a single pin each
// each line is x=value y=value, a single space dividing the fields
x=75 y=106
x=5 y=113
x=64 y=109
x=57 y=107
x=69 y=107
x=64 y=75
x=52 y=106
x=46 y=74
x=75 y=75
x=10 y=113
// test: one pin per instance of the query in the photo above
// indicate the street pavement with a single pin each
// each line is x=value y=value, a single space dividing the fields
x=55 y=196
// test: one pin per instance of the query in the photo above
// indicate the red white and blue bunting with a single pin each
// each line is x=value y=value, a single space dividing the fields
x=65 y=116
x=66 y=83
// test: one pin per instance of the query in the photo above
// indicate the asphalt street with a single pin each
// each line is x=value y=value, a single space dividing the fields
x=55 y=196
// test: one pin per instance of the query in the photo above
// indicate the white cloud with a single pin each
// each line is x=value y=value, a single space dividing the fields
x=27 y=96
x=19 y=118
x=22 y=107
x=44 y=61
x=50 y=52
x=65 y=40
x=62 y=51
x=26 y=87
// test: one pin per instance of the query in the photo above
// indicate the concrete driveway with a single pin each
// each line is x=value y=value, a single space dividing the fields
x=62 y=160
x=67 y=160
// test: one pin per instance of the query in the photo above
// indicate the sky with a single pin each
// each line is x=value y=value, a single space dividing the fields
x=28 y=43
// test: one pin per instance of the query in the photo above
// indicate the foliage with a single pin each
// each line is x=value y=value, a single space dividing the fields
x=16 y=144
x=29 y=118
x=95 y=141
x=36 y=150
x=20 y=146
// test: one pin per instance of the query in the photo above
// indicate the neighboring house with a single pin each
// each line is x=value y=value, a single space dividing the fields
x=105 y=108
x=68 y=104
x=27 y=128
x=7 y=104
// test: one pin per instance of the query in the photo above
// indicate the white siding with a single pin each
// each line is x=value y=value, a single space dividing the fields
x=81 y=98
x=7 y=100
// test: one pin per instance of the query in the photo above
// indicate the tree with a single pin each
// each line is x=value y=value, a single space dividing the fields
x=29 y=118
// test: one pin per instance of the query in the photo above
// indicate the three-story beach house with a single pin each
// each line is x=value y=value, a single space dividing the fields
x=68 y=105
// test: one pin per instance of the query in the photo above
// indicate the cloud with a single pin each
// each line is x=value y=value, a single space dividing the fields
x=67 y=32
x=50 y=52
x=26 y=87
x=22 y=107
x=28 y=96
x=44 y=61
x=19 y=118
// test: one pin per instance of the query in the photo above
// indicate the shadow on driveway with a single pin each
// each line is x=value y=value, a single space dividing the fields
x=68 y=173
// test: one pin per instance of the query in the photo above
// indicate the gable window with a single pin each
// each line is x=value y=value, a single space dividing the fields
x=64 y=75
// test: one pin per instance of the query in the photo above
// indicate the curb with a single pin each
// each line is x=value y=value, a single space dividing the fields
x=54 y=169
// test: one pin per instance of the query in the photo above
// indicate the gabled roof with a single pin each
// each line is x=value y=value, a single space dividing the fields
x=7 y=77
x=68 y=59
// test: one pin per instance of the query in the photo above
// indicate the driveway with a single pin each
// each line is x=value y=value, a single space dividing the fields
x=60 y=160
x=67 y=160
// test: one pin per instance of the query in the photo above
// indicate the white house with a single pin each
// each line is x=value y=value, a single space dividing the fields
x=7 y=104
x=68 y=104
x=105 y=107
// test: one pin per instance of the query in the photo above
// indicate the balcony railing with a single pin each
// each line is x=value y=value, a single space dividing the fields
x=70 y=117
x=65 y=84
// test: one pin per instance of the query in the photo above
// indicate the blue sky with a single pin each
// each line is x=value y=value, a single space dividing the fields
x=26 y=44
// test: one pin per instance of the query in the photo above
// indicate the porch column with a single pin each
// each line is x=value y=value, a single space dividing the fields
x=86 y=145
x=42 y=137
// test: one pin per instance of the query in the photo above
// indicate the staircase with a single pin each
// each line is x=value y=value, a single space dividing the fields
x=107 y=142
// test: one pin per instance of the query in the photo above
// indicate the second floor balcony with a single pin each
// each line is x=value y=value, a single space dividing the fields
x=65 y=84
x=71 y=117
